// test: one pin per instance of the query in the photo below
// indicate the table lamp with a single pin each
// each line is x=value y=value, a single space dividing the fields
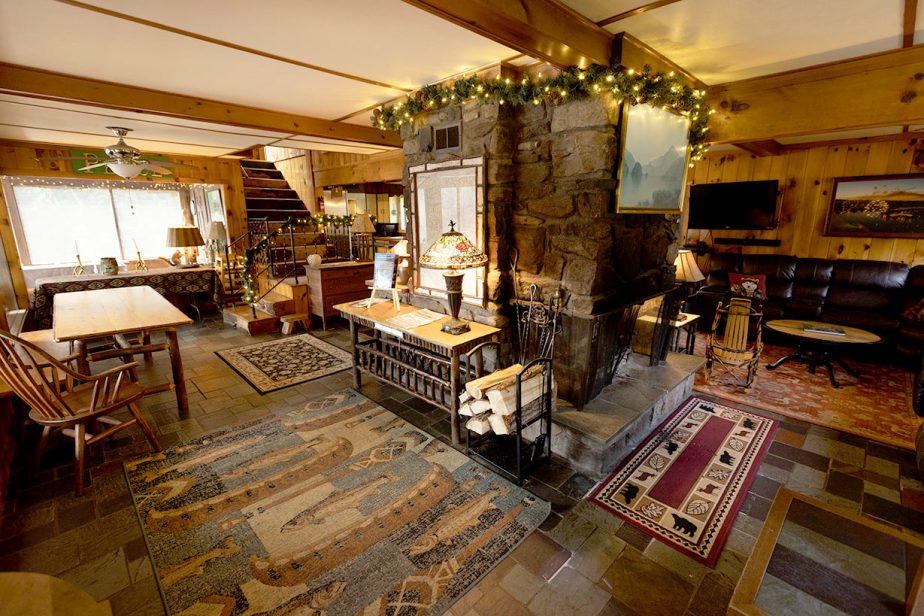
x=452 y=251
x=362 y=226
x=217 y=237
x=687 y=273
x=185 y=238
x=404 y=271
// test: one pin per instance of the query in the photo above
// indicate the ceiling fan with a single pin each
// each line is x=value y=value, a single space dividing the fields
x=124 y=160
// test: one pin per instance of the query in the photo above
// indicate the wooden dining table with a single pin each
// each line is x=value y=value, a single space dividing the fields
x=82 y=316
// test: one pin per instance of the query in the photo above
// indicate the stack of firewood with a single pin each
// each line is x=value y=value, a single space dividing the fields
x=491 y=401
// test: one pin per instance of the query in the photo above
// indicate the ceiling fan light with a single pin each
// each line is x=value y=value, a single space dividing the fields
x=125 y=170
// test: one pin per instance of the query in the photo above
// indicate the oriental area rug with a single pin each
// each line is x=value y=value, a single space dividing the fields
x=685 y=484
x=272 y=365
x=876 y=405
x=338 y=508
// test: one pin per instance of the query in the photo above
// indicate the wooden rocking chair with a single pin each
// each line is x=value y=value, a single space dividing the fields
x=733 y=350
x=63 y=399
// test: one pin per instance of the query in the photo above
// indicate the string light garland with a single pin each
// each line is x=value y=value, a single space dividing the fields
x=660 y=89
x=263 y=243
x=87 y=184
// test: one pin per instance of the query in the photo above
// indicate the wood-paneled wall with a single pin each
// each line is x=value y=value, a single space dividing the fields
x=341 y=169
x=19 y=158
x=806 y=177
x=295 y=166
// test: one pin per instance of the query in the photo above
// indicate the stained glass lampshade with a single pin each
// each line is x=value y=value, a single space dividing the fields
x=453 y=251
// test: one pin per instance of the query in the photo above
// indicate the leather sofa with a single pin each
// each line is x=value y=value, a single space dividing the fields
x=871 y=295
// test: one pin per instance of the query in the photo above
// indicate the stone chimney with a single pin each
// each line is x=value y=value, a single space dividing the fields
x=550 y=197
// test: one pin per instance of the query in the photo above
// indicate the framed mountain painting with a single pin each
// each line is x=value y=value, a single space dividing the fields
x=655 y=155
x=877 y=206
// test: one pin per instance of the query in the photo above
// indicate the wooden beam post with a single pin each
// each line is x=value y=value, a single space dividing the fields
x=543 y=29
x=37 y=83
x=884 y=89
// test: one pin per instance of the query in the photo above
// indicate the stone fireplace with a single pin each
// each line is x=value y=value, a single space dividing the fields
x=549 y=204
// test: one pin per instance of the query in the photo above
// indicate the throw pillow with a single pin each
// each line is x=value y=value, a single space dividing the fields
x=753 y=286
x=915 y=313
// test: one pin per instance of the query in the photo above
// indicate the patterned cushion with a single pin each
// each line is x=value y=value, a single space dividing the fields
x=748 y=285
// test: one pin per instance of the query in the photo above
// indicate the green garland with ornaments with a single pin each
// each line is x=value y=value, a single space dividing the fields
x=263 y=243
x=664 y=90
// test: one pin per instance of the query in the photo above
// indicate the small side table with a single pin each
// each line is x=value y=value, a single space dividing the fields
x=685 y=321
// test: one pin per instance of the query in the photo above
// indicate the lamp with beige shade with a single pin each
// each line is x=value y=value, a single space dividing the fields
x=687 y=272
x=404 y=271
x=363 y=229
x=186 y=238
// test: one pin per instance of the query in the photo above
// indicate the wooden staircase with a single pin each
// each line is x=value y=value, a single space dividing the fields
x=268 y=194
x=286 y=303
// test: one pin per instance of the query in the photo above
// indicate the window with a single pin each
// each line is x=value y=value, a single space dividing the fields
x=444 y=192
x=446 y=138
x=52 y=218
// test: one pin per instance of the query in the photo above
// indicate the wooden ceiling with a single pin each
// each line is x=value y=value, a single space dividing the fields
x=212 y=77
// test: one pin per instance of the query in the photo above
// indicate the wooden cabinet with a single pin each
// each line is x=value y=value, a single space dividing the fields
x=330 y=284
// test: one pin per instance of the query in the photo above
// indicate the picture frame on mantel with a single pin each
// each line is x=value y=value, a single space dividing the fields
x=654 y=156
x=877 y=206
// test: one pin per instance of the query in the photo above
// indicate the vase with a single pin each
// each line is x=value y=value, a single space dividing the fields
x=108 y=266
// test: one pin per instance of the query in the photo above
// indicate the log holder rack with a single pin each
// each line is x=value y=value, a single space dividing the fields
x=513 y=455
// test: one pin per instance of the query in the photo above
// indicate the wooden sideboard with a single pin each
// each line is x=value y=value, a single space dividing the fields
x=336 y=283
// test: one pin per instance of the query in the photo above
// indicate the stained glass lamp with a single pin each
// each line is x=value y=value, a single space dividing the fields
x=453 y=252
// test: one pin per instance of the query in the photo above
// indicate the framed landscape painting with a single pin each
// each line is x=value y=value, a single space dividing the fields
x=877 y=206
x=655 y=154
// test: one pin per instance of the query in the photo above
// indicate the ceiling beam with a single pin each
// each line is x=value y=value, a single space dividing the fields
x=543 y=29
x=215 y=41
x=762 y=148
x=37 y=83
x=884 y=89
x=908 y=20
x=636 y=11
x=633 y=53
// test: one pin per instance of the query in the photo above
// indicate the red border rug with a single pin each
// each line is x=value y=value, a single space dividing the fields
x=686 y=483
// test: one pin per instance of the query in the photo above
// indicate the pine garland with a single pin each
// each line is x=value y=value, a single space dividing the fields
x=653 y=88
x=250 y=254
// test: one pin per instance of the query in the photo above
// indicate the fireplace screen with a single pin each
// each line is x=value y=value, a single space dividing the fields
x=444 y=192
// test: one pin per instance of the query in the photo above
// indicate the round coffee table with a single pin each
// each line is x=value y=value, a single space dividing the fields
x=817 y=348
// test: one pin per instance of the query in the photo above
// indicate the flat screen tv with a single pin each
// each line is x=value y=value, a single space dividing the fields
x=734 y=205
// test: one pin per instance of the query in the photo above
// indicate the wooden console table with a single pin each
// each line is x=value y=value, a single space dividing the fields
x=423 y=361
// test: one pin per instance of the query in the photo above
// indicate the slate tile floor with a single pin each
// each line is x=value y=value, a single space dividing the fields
x=581 y=561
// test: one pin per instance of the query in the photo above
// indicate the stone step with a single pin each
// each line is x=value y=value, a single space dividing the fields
x=598 y=437
x=242 y=317
x=277 y=304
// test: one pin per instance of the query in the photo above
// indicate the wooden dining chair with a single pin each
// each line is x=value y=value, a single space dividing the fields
x=62 y=399
x=42 y=338
x=735 y=348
